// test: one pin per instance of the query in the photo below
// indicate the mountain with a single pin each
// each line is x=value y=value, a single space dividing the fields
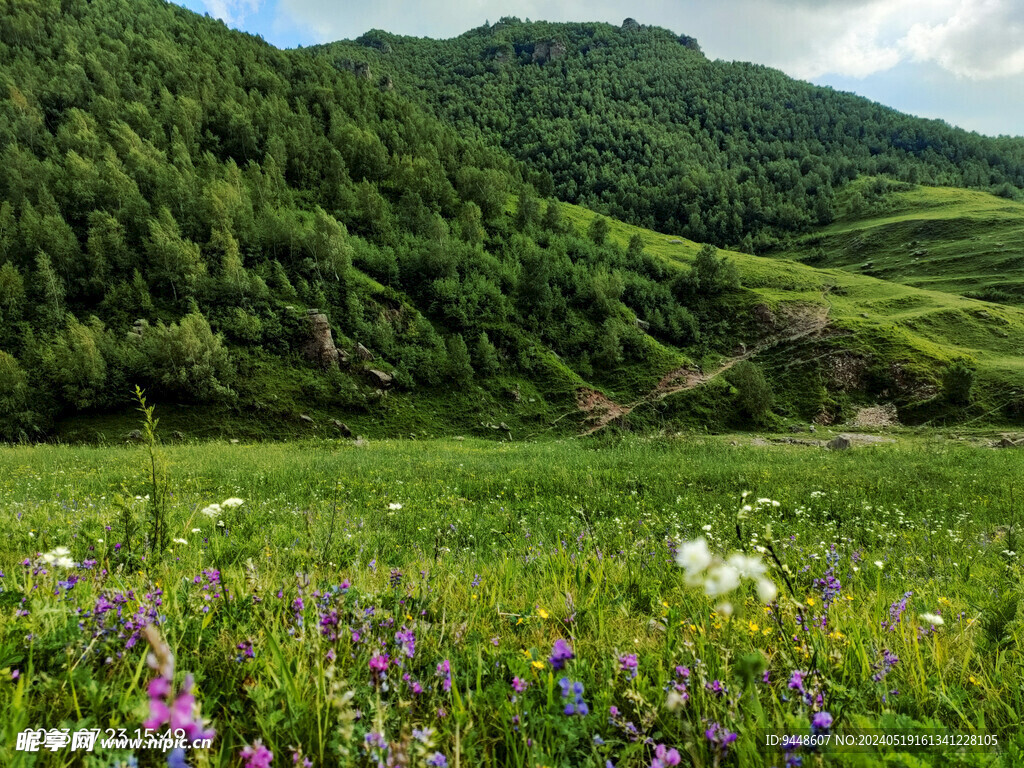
x=637 y=123
x=275 y=243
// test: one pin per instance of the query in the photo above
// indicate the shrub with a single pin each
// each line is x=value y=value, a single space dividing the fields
x=754 y=393
x=15 y=417
x=186 y=358
x=958 y=381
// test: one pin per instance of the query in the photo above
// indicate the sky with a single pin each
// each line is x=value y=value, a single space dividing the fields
x=958 y=60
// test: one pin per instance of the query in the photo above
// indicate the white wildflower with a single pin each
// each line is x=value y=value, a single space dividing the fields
x=766 y=590
x=748 y=566
x=721 y=580
x=931 y=618
x=211 y=511
x=180 y=541
x=394 y=506
x=232 y=502
x=694 y=557
x=58 y=556
x=197 y=530
x=674 y=700
x=879 y=564
x=706 y=528
x=724 y=609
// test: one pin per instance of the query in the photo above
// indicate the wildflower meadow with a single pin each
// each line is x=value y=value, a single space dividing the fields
x=462 y=603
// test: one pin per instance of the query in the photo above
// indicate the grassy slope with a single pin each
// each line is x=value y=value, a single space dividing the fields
x=919 y=329
x=876 y=320
x=945 y=239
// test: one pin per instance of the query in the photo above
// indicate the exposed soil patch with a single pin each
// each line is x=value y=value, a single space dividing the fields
x=797 y=322
x=876 y=417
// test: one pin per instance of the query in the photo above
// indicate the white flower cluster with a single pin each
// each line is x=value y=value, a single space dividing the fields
x=213 y=510
x=59 y=557
x=722 y=577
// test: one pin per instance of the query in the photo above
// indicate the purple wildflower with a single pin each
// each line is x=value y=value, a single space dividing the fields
x=560 y=653
x=256 y=755
x=720 y=737
x=896 y=612
x=889 y=660
x=444 y=671
x=821 y=722
x=665 y=757
x=716 y=687
x=379 y=667
x=575 y=689
x=628 y=664
x=407 y=639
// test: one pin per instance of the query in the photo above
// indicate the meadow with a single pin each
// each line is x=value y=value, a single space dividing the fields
x=616 y=601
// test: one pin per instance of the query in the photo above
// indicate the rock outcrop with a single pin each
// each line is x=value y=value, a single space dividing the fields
x=379 y=378
x=550 y=50
x=320 y=346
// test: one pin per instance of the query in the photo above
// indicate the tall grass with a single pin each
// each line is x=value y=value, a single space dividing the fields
x=487 y=554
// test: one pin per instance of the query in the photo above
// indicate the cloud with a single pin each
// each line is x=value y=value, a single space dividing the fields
x=976 y=39
x=980 y=40
x=232 y=12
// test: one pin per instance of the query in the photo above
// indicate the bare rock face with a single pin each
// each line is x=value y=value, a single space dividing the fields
x=363 y=353
x=320 y=347
x=342 y=428
x=629 y=25
x=379 y=378
x=549 y=50
x=765 y=318
x=839 y=443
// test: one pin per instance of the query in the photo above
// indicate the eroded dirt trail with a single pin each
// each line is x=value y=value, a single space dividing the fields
x=600 y=410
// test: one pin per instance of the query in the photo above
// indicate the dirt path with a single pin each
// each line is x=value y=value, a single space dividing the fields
x=601 y=411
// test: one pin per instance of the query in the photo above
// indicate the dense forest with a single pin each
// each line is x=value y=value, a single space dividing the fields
x=175 y=196
x=635 y=122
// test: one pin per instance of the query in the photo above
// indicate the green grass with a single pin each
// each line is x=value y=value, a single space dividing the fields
x=953 y=240
x=906 y=334
x=496 y=551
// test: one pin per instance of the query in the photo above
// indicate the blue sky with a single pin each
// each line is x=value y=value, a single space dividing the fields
x=958 y=60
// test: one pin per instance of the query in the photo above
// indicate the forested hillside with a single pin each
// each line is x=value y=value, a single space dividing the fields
x=634 y=121
x=255 y=235
x=175 y=196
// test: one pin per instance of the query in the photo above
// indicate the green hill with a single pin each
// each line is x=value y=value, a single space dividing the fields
x=953 y=240
x=833 y=340
x=272 y=245
x=636 y=122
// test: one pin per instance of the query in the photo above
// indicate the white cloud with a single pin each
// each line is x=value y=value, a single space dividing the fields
x=976 y=39
x=232 y=12
x=981 y=39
